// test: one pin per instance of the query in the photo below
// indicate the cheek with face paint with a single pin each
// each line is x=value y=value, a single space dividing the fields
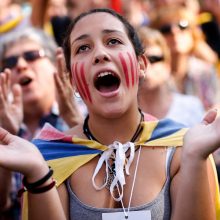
x=85 y=85
x=80 y=80
x=129 y=66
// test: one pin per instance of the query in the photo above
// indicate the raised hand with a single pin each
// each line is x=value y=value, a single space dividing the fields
x=11 y=107
x=17 y=154
x=67 y=105
x=203 y=139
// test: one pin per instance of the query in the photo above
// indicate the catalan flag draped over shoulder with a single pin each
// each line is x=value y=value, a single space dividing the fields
x=65 y=154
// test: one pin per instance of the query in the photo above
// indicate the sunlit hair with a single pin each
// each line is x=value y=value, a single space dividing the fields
x=153 y=37
x=129 y=28
x=33 y=34
x=176 y=13
x=173 y=13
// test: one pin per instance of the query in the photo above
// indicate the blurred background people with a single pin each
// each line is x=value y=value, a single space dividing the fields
x=59 y=13
x=17 y=15
x=155 y=95
x=30 y=55
x=207 y=17
x=193 y=72
x=136 y=11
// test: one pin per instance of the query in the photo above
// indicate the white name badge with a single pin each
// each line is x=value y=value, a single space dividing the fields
x=132 y=215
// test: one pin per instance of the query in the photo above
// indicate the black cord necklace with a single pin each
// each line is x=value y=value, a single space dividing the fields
x=90 y=136
x=111 y=168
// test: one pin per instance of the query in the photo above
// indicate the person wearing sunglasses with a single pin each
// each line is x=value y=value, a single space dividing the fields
x=28 y=98
x=192 y=73
x=29 y=56
x=155 y=90
x=208 y=18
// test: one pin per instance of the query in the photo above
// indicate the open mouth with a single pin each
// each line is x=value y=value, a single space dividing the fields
x=107 y=82
x=25 y=81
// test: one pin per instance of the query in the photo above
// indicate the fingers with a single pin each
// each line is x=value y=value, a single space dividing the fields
x=17 y=93
x=3 y=79
x=5 y=136
x=2 y=95
x=59 y=84
x=61 y=66
x=210 y=116
x=8 y=78
x=60 y=62
x=5 y=83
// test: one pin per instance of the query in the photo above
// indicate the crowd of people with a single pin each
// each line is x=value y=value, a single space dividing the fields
x=109 y=109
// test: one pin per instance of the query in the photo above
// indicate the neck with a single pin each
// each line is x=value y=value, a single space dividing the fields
x=148 y=101
x=32 y=126
x=120 y=129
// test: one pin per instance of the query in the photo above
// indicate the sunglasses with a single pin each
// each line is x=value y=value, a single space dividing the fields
x=155 y=59
x=30 y=56
x=167 y=29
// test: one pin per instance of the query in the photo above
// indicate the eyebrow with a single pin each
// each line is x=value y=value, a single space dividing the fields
x=84 y=36
x=81 y=37
x=107 y=31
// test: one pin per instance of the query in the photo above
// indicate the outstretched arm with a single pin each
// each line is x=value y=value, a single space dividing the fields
x=193 y=188
x=20 y=155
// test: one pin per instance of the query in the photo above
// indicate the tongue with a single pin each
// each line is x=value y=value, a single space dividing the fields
x=106 y=89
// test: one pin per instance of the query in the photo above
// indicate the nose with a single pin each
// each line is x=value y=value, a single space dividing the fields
x=100 y=59
x=100 y=56
x=21 y=64
x=175 y=29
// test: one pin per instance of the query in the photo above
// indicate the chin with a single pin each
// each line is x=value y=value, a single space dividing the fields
x=112 y=112
x=31 y=99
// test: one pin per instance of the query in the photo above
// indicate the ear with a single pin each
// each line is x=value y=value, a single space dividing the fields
x=75 y=90
x=142 y=65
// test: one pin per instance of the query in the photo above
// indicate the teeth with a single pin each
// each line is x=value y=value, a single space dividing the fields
x=104 y=74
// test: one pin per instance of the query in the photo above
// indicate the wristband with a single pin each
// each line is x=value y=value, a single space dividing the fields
x=31 y=186
x=37 y=190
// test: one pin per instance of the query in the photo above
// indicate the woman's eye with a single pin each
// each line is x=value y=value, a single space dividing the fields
x=82 y=48
x=114 y=41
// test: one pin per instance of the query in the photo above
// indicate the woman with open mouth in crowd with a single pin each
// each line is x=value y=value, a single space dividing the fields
x=116 y=164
